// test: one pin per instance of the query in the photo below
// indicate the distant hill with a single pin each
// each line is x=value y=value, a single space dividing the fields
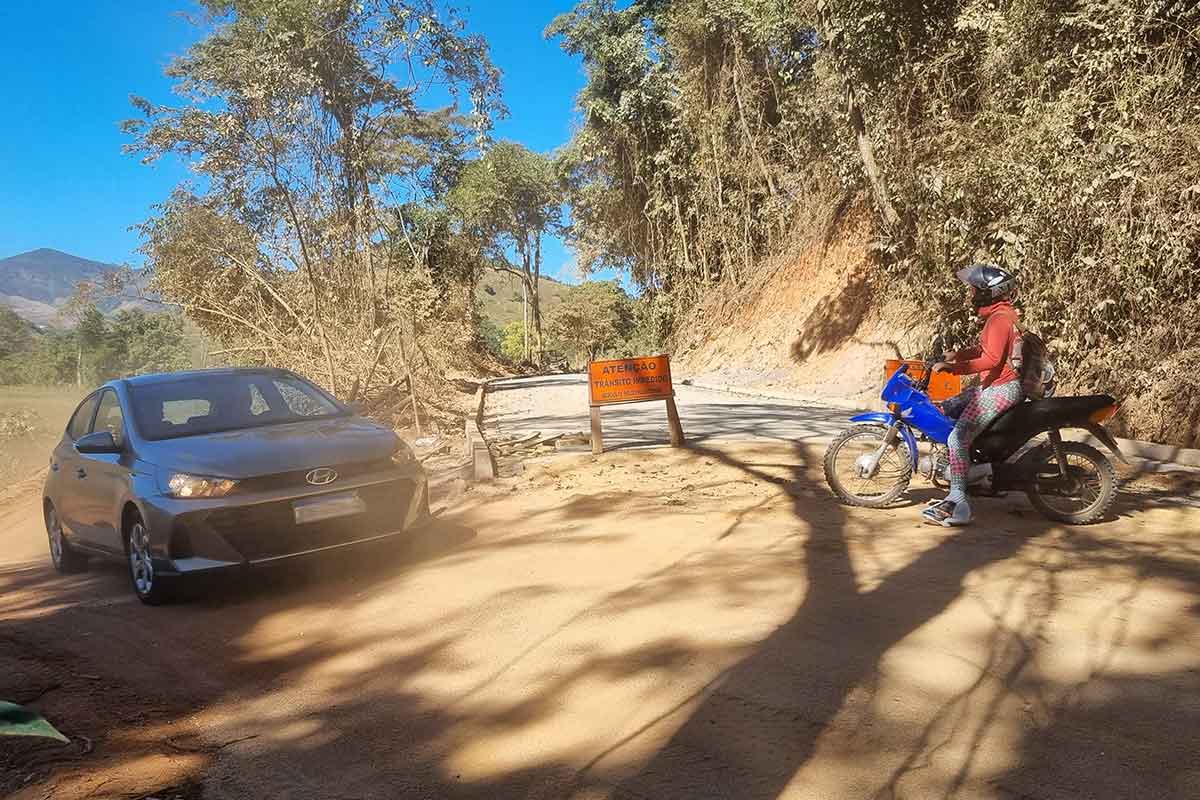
x=36 y=283
x=499 y=296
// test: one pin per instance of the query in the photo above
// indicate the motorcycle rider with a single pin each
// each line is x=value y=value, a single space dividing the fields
x=999 y=388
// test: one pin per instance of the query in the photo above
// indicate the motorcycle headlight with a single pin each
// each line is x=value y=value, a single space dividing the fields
x=182 y=485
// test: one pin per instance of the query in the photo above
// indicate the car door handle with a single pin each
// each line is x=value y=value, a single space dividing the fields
x=80 y=472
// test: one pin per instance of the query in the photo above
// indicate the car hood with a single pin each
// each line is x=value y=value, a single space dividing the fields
x=274 y=448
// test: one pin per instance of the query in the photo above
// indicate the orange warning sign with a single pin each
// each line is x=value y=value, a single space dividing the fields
x=629 y=380
x=942 y=386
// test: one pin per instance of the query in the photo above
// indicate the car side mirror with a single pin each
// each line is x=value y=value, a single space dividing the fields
x=98 y=443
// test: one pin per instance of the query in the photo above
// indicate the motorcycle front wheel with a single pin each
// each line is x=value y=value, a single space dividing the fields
x=849 y=455
x=1087 y=494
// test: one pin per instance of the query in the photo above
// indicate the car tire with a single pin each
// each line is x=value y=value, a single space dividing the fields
x=151 y=588
x=66 y=559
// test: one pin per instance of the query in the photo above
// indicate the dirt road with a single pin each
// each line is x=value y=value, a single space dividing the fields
x=654 y=624
x=554 y=404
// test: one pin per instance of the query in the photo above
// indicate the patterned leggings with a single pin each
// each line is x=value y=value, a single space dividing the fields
x=974 y=409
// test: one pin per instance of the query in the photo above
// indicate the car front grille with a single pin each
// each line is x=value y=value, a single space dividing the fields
x=296 y=478
x=268 y=530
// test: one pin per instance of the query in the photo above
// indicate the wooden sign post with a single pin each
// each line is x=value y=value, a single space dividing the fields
x=631 y=380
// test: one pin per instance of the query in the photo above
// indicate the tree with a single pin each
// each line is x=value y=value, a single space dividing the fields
x=148 y=342
x=594 y=317
x=304 y=120
x=16 y=335
x=510 y=198
x=514 y=341
x=100 y=348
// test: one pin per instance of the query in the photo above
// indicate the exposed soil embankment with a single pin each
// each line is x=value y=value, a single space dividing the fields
x=815 y=322
x=819 y=322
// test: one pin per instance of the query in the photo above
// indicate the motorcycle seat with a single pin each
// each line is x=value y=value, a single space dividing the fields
x=1050 y=412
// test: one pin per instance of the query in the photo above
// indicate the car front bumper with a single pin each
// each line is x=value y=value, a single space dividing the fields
x=197 y=536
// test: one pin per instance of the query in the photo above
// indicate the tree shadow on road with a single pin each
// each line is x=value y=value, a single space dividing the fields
x=758 y=726
x=493 y=727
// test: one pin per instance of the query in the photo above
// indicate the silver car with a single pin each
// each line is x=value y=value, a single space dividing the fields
x=195 y=472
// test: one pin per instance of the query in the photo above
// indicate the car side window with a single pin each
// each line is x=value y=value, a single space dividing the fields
x=258 y=403
x=300 y=402
x=81 y=420
x=109 y=417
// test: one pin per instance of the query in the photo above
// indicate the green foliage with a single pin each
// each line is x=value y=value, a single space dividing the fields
x=509 y=199
x=320 y=241
x=652 y=323
x=16 y=334
x=594 y=318
x=675 y=173
x=50 y=359
x=100 y=348
x=1059 y=139
x=490 y=335
x=512 y=342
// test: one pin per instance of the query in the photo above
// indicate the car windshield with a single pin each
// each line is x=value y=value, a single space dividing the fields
x=218 y=402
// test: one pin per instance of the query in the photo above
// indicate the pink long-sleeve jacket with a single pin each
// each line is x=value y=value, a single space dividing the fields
x=991 y=358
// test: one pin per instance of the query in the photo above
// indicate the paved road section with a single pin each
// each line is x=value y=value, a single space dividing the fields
x=558 y=404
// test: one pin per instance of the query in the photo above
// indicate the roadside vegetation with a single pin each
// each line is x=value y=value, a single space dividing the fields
x=346 y=208
x=96 y=348
x=1057 y=139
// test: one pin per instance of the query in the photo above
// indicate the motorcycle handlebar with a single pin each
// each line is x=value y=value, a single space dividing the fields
x=925 y=378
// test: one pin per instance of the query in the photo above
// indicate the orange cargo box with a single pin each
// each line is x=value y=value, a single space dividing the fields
x=942 y=385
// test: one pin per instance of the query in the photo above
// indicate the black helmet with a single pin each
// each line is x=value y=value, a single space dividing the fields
x=991 y=283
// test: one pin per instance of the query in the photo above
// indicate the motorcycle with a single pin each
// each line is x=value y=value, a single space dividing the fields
x=872 y=463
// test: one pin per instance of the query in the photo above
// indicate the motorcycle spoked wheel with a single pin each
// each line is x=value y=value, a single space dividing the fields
x=841 y=468
x=1090 y=489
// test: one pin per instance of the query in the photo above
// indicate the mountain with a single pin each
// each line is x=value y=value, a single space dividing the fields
x=47 y=276
x=37 y=283
x=499 y=295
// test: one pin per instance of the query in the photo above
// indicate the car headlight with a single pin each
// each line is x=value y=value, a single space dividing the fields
x=180 y=484
x=403 y=455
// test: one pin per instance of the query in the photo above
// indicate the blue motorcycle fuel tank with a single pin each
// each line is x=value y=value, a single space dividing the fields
x=915 y=408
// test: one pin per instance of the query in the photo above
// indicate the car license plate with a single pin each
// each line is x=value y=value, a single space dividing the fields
x=327 y=507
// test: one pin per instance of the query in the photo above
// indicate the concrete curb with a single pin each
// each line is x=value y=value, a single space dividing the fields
x=1156 y=457
x=477 y=452
x=768 y=395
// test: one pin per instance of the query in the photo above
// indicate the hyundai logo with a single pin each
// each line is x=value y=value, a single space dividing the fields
x=321 y=476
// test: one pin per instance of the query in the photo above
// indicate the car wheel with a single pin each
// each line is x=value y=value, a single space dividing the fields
x=66 y=560
x=150 y=588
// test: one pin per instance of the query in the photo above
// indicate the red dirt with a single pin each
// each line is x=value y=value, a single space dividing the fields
x=651 y=624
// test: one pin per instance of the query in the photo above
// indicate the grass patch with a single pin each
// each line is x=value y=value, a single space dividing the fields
x=32 y=419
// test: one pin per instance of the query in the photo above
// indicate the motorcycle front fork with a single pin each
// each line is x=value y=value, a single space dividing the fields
x=871 y=466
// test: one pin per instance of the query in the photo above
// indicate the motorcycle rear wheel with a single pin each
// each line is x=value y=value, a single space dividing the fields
x=1091 y=497
x=878 y=491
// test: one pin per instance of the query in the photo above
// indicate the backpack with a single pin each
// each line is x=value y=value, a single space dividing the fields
x=1030 y=359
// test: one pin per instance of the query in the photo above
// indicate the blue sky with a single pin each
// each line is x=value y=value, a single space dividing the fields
x=69 y=68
